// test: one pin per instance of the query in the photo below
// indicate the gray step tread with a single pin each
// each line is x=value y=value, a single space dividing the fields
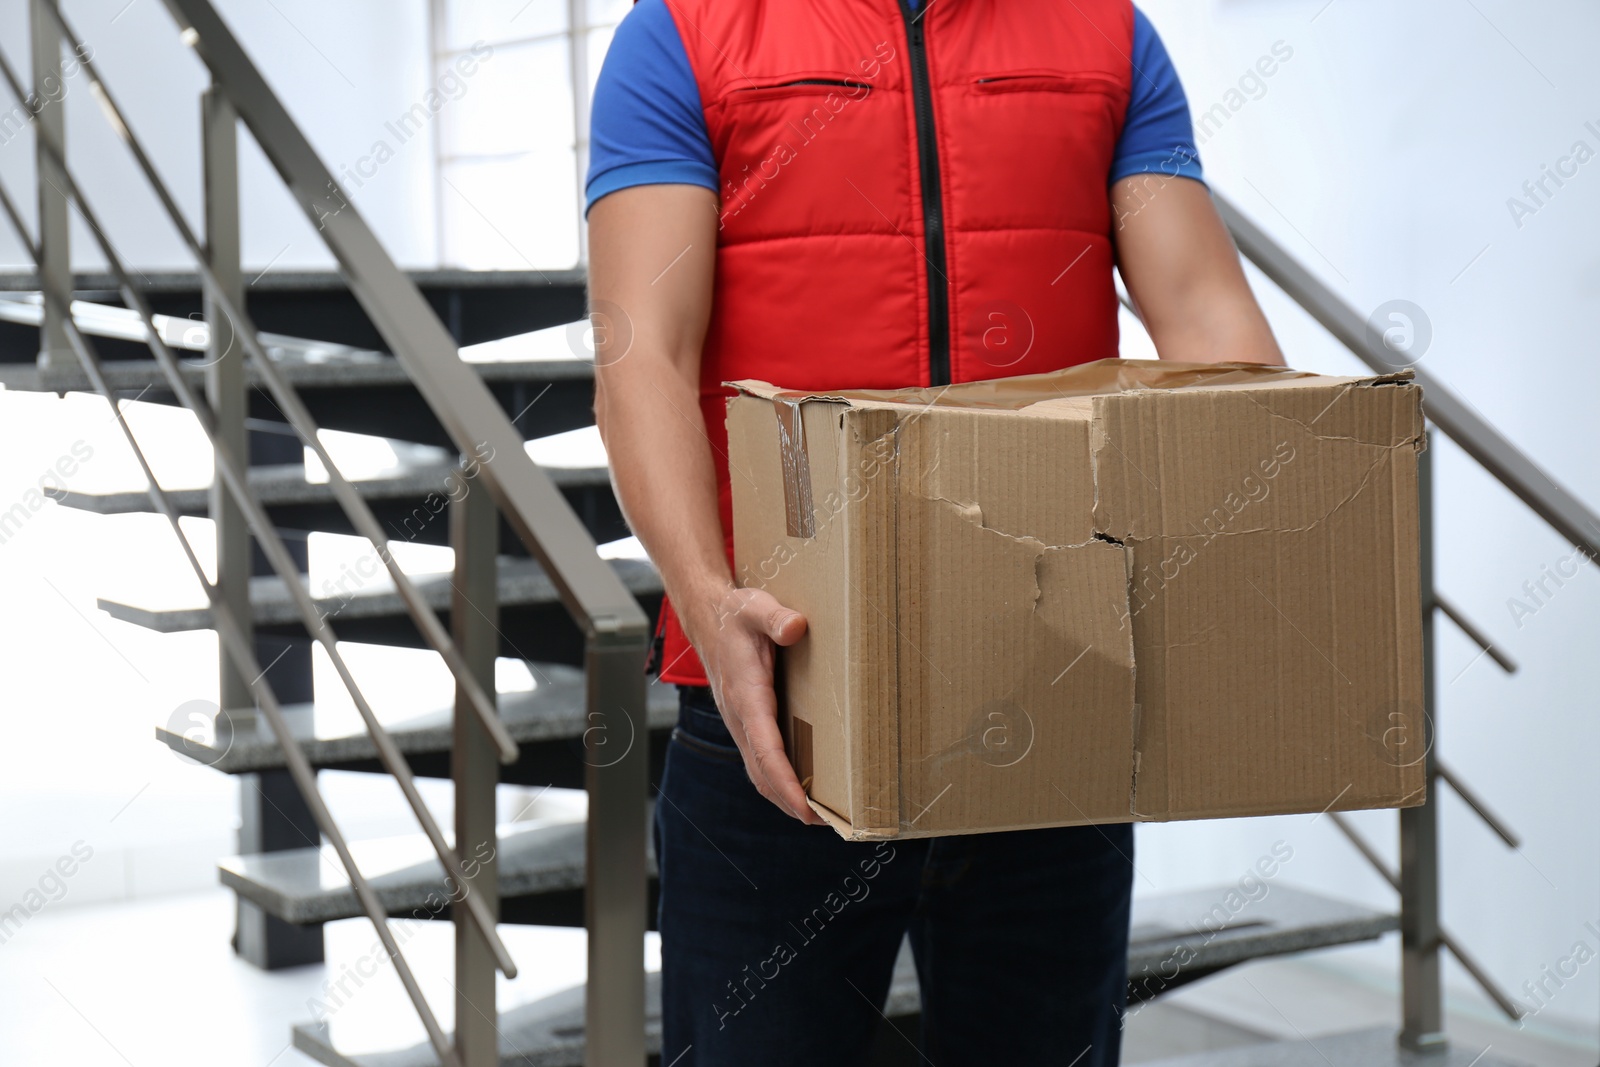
x=548 y=1031
x=539 y=356
x=554 y=709
x=303 y=280
x=1195 y=930
x=522 y=583
x=309 y=885
x=287 y=484
x=377 y=371
x=380 y=1029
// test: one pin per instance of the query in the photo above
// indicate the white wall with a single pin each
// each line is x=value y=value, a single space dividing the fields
x=1383 y=153
x=342 y=69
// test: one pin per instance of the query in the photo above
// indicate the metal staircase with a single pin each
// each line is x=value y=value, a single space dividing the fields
x=528 y=583
x=612 y=629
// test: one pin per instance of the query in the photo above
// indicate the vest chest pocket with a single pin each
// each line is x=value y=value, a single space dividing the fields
x=1030 y=81
x=848 y=88
x=785 y=145
x=1053 y=118
x=1033 y=146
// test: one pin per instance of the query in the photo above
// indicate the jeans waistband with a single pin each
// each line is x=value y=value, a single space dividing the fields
x=698 y=715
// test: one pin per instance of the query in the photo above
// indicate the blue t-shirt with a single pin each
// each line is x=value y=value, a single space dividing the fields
x=647 y=126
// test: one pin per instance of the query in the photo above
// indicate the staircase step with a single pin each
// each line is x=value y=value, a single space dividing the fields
x=530 y=610
x=536 y=378
x=379 y=1029
x=546 y=722
x=372 y=1023
x=395 y=495
x=537 y=860
x=1361 y=1048
x=1180 y=937
x=476 y=305
x=539 y=356
x=351 y=369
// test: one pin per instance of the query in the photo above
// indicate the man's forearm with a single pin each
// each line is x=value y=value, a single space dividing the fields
x=652 y=251
x=662 y=467
x=1215 y=320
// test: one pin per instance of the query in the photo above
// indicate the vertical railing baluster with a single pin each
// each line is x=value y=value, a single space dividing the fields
x=474 y=762
x=272 y=813
x=225 y=388
x=1422 y=990
x=616 y=743
x=49 y=105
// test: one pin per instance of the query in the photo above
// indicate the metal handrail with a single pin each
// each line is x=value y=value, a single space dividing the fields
x=287 y=397
x=615 y=627
x=590 y=590
x=266 y=535
x=1552 y=502
x=273 y=547
x=234 y=639
x=1556 y=505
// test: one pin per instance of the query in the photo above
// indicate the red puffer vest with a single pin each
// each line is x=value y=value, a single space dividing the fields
x=908 y=198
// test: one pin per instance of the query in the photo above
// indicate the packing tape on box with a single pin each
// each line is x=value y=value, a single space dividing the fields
x=799 y=509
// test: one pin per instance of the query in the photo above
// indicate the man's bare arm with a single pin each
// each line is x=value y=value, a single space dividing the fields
x=1183 y=273
x=651 y=255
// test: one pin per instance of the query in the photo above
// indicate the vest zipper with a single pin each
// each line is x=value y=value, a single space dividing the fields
x=932 y=211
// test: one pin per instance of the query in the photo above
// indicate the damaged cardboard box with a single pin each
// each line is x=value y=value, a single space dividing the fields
x=1124 y=591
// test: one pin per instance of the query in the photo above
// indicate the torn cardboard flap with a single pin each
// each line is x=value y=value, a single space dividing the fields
x=1192 y=462
x=1015 y=663
x=1124 y=590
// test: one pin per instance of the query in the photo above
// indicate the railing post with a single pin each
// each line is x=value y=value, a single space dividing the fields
x=225 y=389
x=616 y=745
x=49 y=105
x=474 y=766
x=1420 y=941
x=273 y=815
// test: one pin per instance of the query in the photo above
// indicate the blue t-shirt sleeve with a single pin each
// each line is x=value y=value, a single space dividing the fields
x=1157 y=136
x=646 y=125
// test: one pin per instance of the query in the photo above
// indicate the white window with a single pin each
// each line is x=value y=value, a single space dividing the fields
x=513 y=141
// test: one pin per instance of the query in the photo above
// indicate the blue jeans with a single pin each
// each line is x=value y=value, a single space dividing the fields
x=778 y=940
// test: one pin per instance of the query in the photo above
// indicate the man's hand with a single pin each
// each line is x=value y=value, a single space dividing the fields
x=744 y=628
x=1183 y=274
x=652 y=249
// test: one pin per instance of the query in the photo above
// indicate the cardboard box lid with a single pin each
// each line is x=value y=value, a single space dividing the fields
x=1100 y=378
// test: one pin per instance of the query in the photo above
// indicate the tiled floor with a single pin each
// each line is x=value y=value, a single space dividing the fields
x=154 y=982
